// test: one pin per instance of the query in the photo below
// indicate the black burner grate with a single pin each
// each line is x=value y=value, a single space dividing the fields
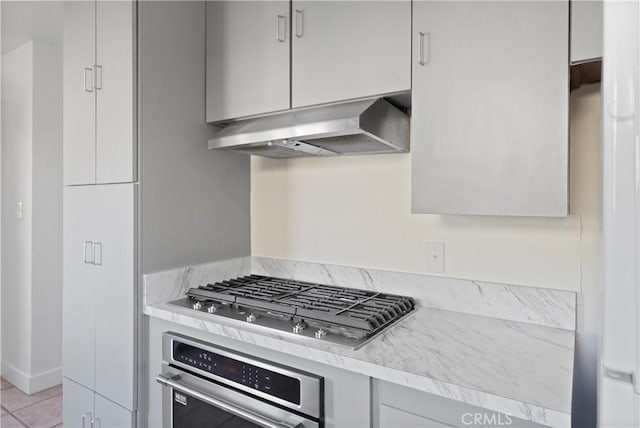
x=348 y=307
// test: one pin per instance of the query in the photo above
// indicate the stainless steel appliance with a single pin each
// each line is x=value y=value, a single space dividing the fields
x=210 y=386
x=354 y=127
x=344 y=316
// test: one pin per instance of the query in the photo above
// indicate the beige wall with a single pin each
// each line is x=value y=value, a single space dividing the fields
x=357 y=211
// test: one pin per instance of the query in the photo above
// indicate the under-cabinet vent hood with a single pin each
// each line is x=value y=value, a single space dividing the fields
x=355 y=127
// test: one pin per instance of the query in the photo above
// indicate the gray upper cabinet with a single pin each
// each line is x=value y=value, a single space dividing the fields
x=586 y=30
x=490 y=107
x=79 y=119
x=115 y=95
x=262 y=58
x=350 y=49
x=99 y=96
x=248 y=70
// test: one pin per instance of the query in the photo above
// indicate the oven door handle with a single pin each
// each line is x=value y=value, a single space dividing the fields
x=242 y=413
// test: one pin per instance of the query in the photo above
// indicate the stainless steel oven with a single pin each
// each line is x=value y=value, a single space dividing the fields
x=210 y=386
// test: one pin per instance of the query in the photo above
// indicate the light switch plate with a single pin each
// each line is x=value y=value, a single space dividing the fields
x=19 y=211
x=435 y=257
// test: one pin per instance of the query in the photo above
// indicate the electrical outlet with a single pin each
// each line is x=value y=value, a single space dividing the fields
x=435 y=257
x=19 y=211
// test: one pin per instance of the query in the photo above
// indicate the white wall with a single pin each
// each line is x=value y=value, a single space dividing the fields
x=46 y=299
x=17 y=119
x=32 y=246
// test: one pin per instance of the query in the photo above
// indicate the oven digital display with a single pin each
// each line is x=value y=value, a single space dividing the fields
x=257 y=378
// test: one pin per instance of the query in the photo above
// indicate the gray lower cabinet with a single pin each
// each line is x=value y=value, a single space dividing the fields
x=393 y=417
x=396 y=406
x=349 y=49
x=110 y=415
x=77 y=405
x=490 y=108
x=82 y=408
x=98 y=290
x=248 y=46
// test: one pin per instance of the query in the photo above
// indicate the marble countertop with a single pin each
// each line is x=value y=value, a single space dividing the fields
x=520 y=368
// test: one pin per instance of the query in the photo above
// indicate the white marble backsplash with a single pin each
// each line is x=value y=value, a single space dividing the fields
x=540 y=306
x=547 y=307
x=168 y=285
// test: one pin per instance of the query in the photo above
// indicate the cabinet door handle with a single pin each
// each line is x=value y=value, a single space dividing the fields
x=90 y=87
x=299 y=22
x=98 y=71
x=281 y=23
x=97 y=259
x=424 y=44
x=84 y=419
x=88 y=250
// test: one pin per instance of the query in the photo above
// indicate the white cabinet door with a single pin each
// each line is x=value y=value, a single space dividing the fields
x=113 y=223
x=79 y=286
x=349 y=49
x=110 y=415
x=115 y=53
x=490 y=100
x=79 y=100
x=77 y=405
x=248 y=59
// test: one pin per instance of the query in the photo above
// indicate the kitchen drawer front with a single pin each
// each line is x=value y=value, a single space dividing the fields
x=395 y=405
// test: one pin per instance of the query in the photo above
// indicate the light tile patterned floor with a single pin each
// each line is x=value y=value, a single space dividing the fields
x=40 y=410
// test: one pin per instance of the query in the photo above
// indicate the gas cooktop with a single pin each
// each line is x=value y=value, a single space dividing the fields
x=344 y=316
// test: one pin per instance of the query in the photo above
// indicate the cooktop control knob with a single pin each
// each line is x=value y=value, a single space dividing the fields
x=252 y=318
x=320 y=333
x=197 y=306
x=298 y=328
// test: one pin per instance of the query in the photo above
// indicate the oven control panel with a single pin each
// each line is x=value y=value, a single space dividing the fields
x=248 y=375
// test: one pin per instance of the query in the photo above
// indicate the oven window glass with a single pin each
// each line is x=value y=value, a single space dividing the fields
x=189 y=412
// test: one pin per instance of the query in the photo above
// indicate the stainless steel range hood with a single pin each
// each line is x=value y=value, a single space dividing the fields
x=355 y=127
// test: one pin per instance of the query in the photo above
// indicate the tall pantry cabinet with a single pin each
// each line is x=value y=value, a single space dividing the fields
x=100 y=208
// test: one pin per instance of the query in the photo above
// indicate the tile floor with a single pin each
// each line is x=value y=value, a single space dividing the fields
x=40 y=410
